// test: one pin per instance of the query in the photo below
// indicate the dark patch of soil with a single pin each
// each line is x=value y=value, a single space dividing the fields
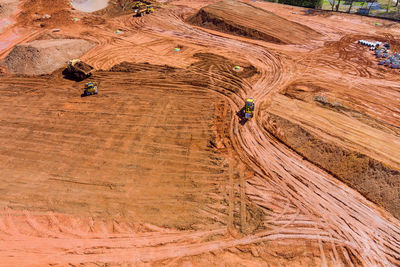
x=135 y=67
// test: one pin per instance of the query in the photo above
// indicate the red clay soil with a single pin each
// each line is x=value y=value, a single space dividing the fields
x=159 y=168
x=83 y=66
x=242 y=19
x=373 y=179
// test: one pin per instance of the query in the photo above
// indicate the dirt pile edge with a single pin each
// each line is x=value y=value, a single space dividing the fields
x=44 y=56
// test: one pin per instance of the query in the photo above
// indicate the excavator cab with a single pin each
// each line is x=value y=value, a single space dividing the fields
x=249 y=108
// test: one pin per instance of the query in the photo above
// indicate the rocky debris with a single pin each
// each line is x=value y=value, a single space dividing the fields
x=44 y=56
x=321 y=99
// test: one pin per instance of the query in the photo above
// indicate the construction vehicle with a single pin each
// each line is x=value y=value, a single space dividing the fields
x=144 y=9
x=90 y=89
x=249 y=108
x=378 y=53
x=79 y=69
x=141 y=7
x=141 y=11
x=137 y=6
x=149 y=9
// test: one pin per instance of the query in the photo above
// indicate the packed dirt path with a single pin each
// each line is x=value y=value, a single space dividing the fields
x=131 y=176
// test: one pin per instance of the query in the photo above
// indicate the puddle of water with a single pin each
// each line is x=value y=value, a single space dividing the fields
x=89 y=5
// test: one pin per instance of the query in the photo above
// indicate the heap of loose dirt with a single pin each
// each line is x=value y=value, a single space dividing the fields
x=44 y=56
x=246 y=20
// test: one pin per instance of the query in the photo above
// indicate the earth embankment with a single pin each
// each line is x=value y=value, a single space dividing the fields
x=242 y=19
x=159 y=169
x=372 y=178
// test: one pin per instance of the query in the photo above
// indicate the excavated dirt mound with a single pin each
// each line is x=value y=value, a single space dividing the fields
x=233 y=17
x=44 y=56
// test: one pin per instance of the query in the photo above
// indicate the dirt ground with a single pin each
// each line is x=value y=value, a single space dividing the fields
x=233 y=17
x=159 y=168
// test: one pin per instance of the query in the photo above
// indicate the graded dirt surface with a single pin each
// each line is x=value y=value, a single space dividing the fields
x=144 y=144
x=159 y=169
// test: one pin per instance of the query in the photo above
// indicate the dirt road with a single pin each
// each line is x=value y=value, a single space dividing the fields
x=157 y=169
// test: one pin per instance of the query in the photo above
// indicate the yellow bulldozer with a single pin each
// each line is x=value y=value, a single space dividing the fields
x=90 y=89
x=137 y=6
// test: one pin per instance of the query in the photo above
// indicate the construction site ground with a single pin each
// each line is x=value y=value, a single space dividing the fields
x=159 y=168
